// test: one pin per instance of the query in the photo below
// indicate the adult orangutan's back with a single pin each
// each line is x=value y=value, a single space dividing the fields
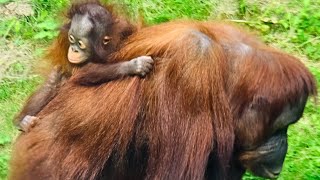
x=176 y=123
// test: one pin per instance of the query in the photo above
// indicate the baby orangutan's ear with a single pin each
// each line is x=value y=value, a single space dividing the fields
x=106 y=40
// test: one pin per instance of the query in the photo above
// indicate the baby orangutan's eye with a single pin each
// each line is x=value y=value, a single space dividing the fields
x=81 y=45
x=71 y=39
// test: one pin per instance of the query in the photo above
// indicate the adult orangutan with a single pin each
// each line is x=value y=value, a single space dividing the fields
x=218 y=102
x=93 y=34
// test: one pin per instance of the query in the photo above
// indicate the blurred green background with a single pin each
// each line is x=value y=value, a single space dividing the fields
x=28 y=26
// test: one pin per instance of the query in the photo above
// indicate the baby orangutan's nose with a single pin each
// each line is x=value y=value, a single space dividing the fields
x=74 y=50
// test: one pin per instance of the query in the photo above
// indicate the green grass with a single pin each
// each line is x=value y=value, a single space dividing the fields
x=12 y=96
x=158 y=11
x=292 y=26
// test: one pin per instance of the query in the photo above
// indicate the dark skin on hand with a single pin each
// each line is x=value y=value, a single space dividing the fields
x=92 y=39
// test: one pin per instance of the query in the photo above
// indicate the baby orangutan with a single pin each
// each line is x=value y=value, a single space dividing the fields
x=94 y=34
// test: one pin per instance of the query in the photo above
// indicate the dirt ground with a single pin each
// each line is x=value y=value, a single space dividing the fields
x=15 y=56
x=15 y=60
x=18 y=8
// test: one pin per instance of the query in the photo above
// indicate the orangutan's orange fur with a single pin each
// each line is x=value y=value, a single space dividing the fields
x=171 y=124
